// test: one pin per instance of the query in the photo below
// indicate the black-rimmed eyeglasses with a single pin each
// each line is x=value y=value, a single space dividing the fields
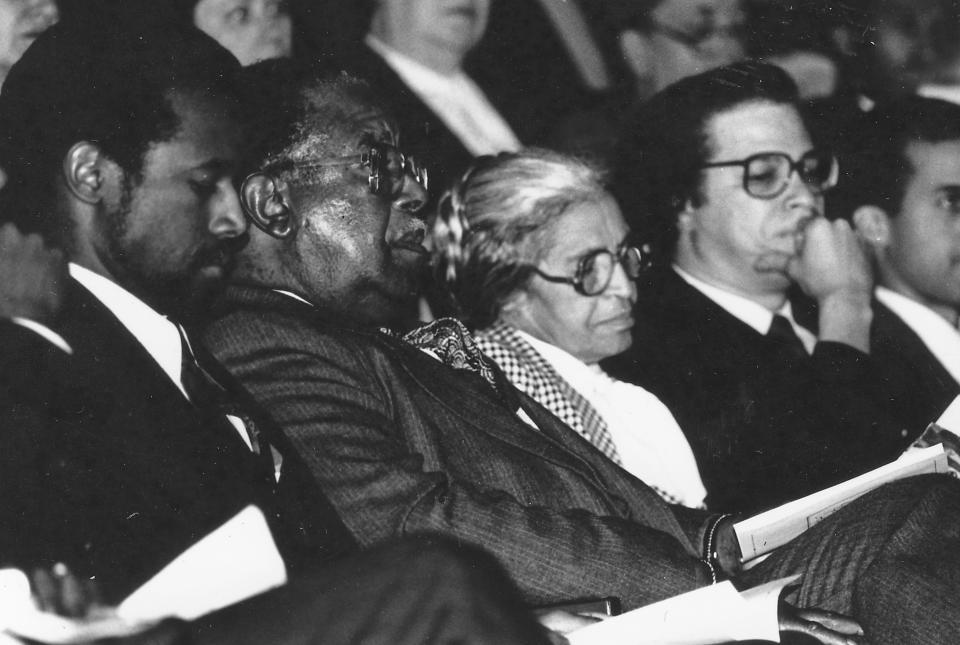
x=387 y=167
x=767 y=174
x=595 y=269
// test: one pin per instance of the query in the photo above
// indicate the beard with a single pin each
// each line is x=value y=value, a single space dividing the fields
x=181 y=291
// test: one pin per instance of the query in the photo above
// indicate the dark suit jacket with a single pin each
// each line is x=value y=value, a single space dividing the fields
x=765 y=428
x=403 y=444
x=123 y=473
x=919 y=386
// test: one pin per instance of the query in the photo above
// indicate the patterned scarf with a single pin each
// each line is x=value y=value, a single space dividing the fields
x=532 y=373
x=450 y=342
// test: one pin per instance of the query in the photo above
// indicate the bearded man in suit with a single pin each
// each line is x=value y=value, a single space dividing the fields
x=124 y=442
x=422 y=433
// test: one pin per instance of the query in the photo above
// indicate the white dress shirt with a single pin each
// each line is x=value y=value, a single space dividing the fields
x=747 y=311
x=651 y=445
x=158 y=335
x=940 y=337
x=456 y=100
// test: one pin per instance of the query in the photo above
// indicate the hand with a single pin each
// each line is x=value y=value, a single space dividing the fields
x=833 y=269
x=831 y=262
x=59 y=591
x=31 y=276
x=559 y=623
x=824 y=627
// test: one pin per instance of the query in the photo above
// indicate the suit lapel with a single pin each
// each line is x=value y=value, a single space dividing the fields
x=118 y=371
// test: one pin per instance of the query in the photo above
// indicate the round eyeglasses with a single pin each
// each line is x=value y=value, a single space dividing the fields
x=767 y=174
x=595 y=269
x=386 y=165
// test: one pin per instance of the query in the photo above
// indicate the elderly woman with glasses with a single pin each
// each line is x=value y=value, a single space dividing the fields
x=537 y=259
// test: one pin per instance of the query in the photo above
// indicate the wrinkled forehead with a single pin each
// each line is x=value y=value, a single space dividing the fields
x=334 y=127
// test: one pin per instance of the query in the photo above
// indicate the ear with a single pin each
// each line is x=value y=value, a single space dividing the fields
x=84 y=171
x=265 y=200
x=685 y=211
x=873 y=226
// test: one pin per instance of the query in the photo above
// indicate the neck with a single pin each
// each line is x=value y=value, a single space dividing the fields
x=772 y=300
x=434 y=56
x=895 y=283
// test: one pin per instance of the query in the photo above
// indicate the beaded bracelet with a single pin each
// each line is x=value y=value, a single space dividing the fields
x=710 y=556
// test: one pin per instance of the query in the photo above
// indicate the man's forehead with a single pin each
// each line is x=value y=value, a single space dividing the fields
x=757 y=126
x=938 y=162
x=208 y=133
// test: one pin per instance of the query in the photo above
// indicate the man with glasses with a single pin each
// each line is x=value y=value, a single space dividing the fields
x=730 y=188
x=422 y=434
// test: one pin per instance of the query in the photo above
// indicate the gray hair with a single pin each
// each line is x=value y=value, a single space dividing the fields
x=496 y=221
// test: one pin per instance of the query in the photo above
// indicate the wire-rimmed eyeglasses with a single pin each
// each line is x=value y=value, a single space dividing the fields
x=767 y=174
x=387 y=167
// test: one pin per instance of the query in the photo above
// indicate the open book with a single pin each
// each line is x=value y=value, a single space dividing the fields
x=765 y=532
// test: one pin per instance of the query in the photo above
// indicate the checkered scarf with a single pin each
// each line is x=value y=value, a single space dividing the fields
x=531 y=373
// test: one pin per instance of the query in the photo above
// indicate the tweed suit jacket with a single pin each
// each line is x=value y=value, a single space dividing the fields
x=765 y=426
x=403 y=444
x=123 y=473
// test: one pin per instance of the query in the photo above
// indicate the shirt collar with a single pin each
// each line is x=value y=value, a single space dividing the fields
x=940 y=337
x=747 y=311
x=740 y=307
x=565 y=363
x=157 y=334
x=413 y=72
x=290 y=294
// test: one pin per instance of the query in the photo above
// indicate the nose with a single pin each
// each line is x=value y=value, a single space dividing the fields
x=226 y=215
x=412 y=198
x=621 y=285
x=801 y=198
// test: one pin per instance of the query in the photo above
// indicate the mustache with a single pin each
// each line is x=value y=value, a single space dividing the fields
x=223 y=252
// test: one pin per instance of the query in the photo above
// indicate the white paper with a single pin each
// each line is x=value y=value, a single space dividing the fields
x=950 y=419
x=237 y=561
x=715 y=614
x=764 y=532
x=19 y=617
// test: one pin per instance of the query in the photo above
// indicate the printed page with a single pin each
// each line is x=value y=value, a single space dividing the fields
x=764 y=532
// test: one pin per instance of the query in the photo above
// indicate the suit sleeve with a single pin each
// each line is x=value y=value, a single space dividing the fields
x=339 y=409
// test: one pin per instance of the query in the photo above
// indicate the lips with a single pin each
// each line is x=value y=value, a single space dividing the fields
x=620 y=321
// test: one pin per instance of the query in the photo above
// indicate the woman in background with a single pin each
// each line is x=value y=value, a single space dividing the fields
x=536 y=257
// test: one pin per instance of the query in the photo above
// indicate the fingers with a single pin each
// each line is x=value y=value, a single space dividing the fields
x=832 y=620
x=59 y=591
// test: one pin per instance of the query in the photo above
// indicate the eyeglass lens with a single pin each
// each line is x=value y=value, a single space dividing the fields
x=767 y=175
x=388 y=168
x=596 y=270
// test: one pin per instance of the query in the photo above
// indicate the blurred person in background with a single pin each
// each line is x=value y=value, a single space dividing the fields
x=667 y=40
x=904 y=195
x=538 y=258
x=21 y=21
x=252 y=30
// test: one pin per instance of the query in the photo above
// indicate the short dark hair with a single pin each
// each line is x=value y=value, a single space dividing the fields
x=657 y=165
x=288 y=103
x=105 y=78
x=877 y=169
